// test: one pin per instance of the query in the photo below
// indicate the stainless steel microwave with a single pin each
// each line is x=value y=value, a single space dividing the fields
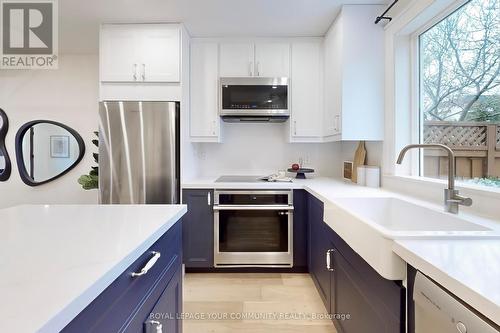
x=254 y=99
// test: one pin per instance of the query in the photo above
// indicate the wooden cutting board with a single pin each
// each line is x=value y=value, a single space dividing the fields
x=359 y=159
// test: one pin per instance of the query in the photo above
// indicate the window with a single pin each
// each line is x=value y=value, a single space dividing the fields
x=460 y=93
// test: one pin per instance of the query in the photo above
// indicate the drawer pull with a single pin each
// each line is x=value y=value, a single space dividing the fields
x=149 y=264
x=328 y=260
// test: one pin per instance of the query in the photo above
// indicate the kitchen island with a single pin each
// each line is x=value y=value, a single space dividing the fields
x=56 y=260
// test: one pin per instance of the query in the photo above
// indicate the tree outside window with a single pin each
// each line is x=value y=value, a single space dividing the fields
x=460 y=91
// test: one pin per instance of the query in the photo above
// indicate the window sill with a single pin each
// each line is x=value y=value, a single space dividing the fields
x=483 y=191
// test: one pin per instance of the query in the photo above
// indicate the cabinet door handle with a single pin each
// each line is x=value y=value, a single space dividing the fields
x=258 y=66
x=143 y=72
x=209 y=199
x=135 y=72
x=328 y=260
x=149 y=264
x=295 y=127
x=250 y=68
x=336 y=123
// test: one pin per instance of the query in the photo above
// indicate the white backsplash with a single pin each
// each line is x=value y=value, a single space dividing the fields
x=260 y=149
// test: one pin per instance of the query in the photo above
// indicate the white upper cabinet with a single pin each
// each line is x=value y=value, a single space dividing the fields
x=306 y=91
x=236 y=59
x=204 y=120
x=272 y=59
x=140 y=53
x=118 y=52
x=160 y=53
x=354 y=75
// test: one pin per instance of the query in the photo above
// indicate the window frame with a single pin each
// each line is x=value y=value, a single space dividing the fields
x=401 y=111
x=416 y=114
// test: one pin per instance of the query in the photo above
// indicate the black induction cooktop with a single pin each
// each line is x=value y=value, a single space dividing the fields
x=240 y=179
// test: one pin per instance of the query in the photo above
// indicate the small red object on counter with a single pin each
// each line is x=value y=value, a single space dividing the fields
x=295 y=166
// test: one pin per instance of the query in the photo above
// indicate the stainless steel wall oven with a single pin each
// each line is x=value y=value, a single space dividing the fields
x=253 y=228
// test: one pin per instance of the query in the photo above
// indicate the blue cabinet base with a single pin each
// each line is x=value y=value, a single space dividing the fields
x=351 y=286
x=126 y=305
x=198 y=231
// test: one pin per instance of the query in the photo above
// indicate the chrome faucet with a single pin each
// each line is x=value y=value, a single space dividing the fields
x=451 y=197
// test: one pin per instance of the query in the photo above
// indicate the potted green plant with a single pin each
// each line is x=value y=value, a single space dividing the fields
x=91 y=181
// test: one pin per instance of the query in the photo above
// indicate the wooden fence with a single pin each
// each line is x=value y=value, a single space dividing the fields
x=476 y=146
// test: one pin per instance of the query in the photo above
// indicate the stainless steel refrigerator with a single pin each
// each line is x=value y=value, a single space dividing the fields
x=139 y=152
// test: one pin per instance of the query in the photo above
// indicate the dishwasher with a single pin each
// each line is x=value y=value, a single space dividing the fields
x=438 y=311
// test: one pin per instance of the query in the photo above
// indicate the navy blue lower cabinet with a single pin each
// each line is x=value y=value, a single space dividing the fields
x=198 y=228
x=166 y=313
x=360 y=299
x=319 y=244
x=360 y=307
x=374 y=303
x=300 y=230
x=130 y=301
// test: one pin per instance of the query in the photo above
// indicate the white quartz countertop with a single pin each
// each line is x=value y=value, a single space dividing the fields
x=55 y=260
x=322 y=187
x=470 y=268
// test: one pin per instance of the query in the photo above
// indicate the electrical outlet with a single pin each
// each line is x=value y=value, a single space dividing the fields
x=202 y=155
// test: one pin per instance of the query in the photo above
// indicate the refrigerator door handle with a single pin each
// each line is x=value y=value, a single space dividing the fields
x=209 y=199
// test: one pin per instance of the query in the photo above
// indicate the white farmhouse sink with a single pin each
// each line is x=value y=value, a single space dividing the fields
x=371 y=224
x=397 y=216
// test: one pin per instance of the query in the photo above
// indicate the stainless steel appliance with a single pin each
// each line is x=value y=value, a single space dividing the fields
x=253 y=228
x=437 y=311
x=139 y=152
x=254 y=99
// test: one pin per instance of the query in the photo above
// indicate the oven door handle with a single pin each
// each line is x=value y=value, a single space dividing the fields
x=253 y=207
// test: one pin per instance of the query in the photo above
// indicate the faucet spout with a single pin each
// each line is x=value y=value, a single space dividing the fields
x=451 y=159
x=451 y=197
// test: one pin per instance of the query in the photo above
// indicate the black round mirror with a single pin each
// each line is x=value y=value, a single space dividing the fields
x=46 y=150
x=5 y=166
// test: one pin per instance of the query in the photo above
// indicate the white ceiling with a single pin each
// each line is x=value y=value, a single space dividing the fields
x=79 y=19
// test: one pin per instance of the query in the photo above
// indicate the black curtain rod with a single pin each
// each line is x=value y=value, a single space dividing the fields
x=383 y=17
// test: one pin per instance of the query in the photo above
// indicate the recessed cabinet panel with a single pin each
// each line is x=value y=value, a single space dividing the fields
x=363 y=74
x=333 y=79
x=354 y=75
x=236 y=59
x=272 y=59
x=140 y=53
x=198 y=228
x=306 y=90
x=318 y=246
x=119 y=61
x=204 y=91
x=160 y=50
x=355 y=296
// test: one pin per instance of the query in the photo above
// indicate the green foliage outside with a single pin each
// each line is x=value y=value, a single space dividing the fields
x=488 y=181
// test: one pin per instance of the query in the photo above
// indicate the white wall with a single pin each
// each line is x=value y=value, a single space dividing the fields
x=260 y=149
x=68 y=95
